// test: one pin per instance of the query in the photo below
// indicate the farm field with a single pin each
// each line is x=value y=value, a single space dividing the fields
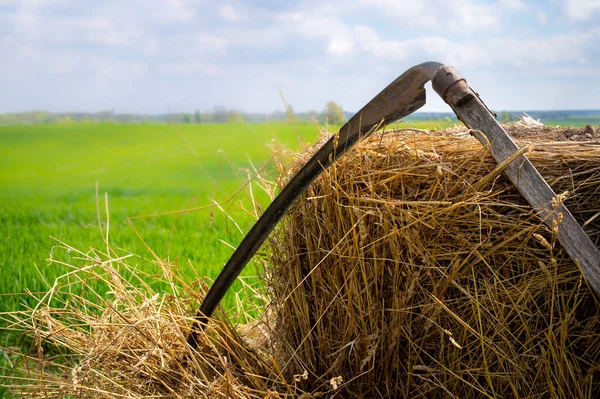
x=576 y=122
x=48 y=177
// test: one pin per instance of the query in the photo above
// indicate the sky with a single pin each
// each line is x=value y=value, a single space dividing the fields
x=151 y=56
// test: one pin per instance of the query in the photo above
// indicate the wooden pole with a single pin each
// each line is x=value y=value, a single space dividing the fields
x=469 y=108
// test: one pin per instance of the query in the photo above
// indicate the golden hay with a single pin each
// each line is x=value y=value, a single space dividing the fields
x=412 y=268
x=133 y=341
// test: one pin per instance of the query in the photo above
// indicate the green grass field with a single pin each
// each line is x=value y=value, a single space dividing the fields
x=48 y=176
x=573 y=121
x=49 y=173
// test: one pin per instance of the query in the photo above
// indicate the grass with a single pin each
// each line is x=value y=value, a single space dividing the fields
x=51 y=177
x=462 y=283
x=48 y=175
x=573 y=121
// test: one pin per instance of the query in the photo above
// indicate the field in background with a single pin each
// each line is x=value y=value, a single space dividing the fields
x=48 y=176
x=574 y=121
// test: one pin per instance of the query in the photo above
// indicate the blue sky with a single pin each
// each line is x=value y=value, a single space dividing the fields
x=150 y=56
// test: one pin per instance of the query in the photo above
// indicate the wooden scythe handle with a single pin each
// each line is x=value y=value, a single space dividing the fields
x=469 y=108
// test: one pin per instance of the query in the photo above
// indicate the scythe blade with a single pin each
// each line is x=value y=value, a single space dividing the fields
x=402 y=97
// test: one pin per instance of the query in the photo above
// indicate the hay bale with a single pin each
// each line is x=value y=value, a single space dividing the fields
x=412 y=268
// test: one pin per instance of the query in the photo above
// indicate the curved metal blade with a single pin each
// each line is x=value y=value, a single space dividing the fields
x=402 y=97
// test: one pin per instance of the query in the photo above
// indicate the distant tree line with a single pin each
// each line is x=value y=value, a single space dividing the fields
x=332 y=114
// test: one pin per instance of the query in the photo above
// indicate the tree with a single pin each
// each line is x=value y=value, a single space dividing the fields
x=66 y=119
x=334 y=114
x=197 y=117
x=206 y=117
x=235 y=116
x=289 y=113
x=108 y=115
x=186 y=118
x=220 y=114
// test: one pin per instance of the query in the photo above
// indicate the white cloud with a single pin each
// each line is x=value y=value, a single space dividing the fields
x=567 y=50
x=370 y=42
x=220 y=41
x=189 y=69
x=512 y=4
x=534 y=52
x=490 y=52
x=25 y=22
x=32 y=4
x=229 y=13
x=41 y=63
x=119 y=70
x=213 y=43
x=33 y=27
x=340 y=46
x=176 y=10
x=471 y=16
x=407 y=9
x=582 y=9
x=427 y=47
x=457 y=15
x=542 y=17
x=313 y=26
x=150 y=46
x=103 y=31
x=573 y=72
x=337 y=35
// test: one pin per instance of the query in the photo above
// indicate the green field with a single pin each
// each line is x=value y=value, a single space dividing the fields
x=49 y=174
x=574 y=121
x=48 y=177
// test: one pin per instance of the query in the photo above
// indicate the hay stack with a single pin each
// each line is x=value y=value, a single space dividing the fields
x=412 y=268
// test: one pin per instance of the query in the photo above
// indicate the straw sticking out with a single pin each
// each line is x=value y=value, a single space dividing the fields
x=132 y=341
